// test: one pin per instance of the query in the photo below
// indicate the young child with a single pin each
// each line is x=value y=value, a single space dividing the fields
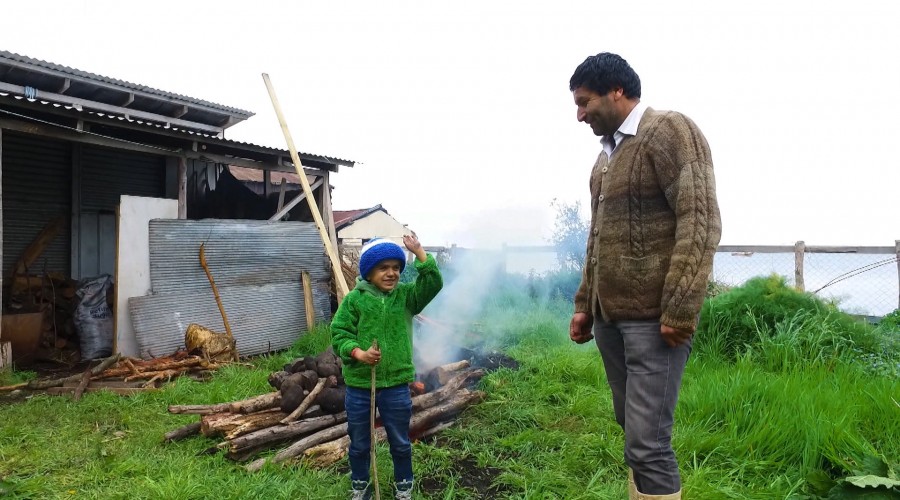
x=381 y=308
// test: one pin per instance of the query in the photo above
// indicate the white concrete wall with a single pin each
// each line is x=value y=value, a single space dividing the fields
x=374 y=225
x=133 y=261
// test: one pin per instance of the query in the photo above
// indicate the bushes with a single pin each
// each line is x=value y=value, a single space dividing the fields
x=781 y=328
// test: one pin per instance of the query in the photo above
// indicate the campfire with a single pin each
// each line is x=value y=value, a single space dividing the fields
x=305 y=414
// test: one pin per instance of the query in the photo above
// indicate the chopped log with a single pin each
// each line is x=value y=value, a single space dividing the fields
x=299 y=447
x=432 y=398
x=447 y=408
x=255 y=403
x=436 y=429
x=271 y=435
x=182 y=432
x=445 y=372
x=306 y=402
x=331 y=452
x=225 y=423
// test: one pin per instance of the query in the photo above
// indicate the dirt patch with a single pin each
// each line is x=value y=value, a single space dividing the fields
x=473 y=478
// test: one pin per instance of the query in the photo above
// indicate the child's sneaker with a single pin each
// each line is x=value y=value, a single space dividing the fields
x=360 y=490
x=404 y=490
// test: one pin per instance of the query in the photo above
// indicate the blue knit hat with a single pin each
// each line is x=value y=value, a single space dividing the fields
x=376 y=251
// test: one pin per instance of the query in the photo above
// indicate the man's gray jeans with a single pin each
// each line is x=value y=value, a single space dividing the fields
x=644 y=374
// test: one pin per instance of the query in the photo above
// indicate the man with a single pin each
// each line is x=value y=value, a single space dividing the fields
x=654 y=230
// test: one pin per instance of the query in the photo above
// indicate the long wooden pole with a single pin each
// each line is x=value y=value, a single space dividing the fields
x=313 y=206
x=215 y=290
x=372 y=431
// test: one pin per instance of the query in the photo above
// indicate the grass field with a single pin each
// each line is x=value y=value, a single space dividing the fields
x=775 y=404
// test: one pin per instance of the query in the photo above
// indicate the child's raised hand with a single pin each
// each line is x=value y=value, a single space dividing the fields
x=412 y=244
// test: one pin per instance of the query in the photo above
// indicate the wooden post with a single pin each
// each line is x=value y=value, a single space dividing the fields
x=182 y=187
x=897 y=248
x=328 y=215
x=308 y=301
x=281 y=189
x=799 y=250
x=341 y=283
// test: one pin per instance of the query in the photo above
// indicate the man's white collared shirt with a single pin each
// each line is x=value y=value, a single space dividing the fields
x=628 y=128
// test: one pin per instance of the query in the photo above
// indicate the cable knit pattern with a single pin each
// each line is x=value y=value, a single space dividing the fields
x=655 y=225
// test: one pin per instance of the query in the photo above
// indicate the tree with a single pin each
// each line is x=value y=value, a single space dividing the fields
x=570 y=233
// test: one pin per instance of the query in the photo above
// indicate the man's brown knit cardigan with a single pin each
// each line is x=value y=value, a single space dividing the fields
x=655 y=225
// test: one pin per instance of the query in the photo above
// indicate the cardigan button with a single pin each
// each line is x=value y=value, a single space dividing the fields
x=600 y=198
x=605 y=169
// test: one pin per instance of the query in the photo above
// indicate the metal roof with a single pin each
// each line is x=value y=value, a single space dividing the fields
x=343 y=218
x=153 y=126
x=49 y=80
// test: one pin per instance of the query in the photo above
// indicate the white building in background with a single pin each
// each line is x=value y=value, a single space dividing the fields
x=356 y=227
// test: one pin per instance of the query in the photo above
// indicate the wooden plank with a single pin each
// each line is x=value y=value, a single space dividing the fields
x=293 y=203
x=282 y=187
x=308 y=301
x=5 y=355
x=799 y=250
x=341 y=283
x=182 y=187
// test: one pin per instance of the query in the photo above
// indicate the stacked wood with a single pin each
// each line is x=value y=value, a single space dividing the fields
x=124 y=375
x=300 y=415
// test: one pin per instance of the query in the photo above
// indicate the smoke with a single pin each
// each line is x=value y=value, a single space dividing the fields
x=446 y=325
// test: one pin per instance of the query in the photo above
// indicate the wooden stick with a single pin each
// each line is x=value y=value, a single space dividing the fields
x=182 y=432
x=36 y=384
x=256 y=403
x=85 y=380
x=308 y=400
x=310 y=199
x=265 y=437
x=454 y=405
x=218 y=300
x=372 y=430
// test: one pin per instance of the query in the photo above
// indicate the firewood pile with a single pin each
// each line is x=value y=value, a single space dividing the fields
x=306 y=413
x=124 y=375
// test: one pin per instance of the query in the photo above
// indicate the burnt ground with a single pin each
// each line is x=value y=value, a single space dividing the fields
x=475 y=480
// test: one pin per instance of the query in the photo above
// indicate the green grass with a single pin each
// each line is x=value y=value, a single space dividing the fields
x=794 y=400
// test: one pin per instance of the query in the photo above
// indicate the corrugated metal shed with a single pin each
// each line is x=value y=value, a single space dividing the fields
x=256 y=266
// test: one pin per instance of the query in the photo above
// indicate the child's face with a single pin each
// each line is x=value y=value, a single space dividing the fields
x=386 y=275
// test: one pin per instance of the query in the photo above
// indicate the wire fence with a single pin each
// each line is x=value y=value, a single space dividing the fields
x=860 y=280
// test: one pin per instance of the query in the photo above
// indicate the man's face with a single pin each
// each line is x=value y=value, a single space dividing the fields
x=385 y=275
x=598 y=111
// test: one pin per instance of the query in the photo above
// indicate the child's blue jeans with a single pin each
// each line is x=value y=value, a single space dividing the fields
x=395 y=409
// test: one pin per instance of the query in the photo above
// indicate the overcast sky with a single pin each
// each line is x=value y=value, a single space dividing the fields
x=461 y=118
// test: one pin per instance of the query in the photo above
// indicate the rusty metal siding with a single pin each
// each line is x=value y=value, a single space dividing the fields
x=256 y=266
x=37 y=187
x=238 y=252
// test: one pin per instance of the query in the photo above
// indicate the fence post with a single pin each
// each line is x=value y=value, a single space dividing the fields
x=897 y=248
x=799 y=250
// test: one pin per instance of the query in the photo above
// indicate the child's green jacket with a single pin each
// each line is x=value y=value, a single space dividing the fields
x=367 y=313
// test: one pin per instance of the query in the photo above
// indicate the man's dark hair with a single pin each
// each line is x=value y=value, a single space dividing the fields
x=604 y=72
